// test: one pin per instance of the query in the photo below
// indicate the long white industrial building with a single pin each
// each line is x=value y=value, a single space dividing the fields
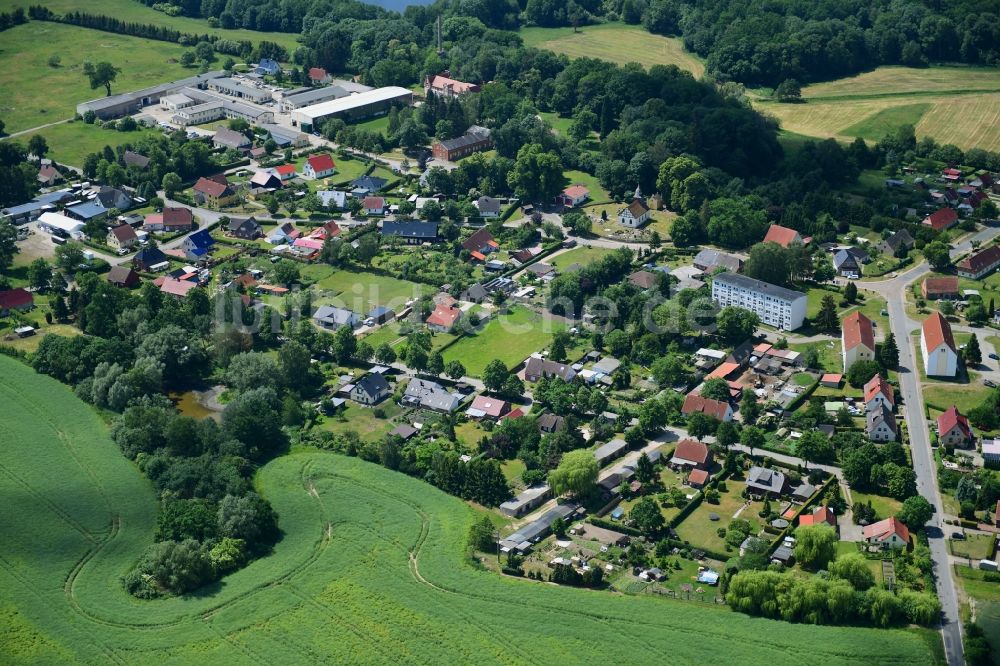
x=370 y=103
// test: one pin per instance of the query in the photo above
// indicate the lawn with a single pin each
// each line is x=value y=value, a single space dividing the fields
x=964 y=396
x=379 y=124
x=974 y=546
x=698 y=529
x=36 y=94
x=884 y=506
x=362 y=291
x=371 y=568
x=558 y=123
x=955 y=105
x=70 y=143
x=617 y=43
x=362 y=420
x=510 y=338
x=579 y=255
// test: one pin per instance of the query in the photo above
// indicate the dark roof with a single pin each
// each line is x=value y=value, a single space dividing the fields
x=467 y=139
x=122 y=275
x=135 y=159
x=237 y=223
x=488 y=205
x=744 y=282
x=201 y=239
x=411 y=229
x=373 y=384
x=149 y=256
x=370 y=183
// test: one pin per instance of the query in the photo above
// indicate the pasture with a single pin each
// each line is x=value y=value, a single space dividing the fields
x=69 y=143
x=957 y=105
x=510 y=338
x=36 y=94
x=371 y=569
x=617 y=43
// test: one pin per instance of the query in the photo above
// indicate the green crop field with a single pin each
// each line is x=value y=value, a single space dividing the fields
x=958 y=105
x=371 y=569
x=615 y=42
x=510 y=338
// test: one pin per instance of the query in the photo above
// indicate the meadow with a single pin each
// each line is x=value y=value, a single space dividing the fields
x=958 y=105
x=371 y=569
x=363 y=291
x=69 y=143
x=510 y=338
x=615 y=42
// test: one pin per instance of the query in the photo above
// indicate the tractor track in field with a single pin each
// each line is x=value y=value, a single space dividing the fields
x=49 y=504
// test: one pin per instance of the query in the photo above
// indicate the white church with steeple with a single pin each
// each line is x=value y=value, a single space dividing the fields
x=636 y=213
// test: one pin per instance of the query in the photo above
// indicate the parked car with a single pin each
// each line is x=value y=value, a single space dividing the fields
x=995 y=357
x=990 y=383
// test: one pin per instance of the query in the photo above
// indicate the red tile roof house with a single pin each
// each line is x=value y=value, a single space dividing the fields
x=319 y=75
x=783 y=236
x=714 y=408
x=319 y=166
x=690 y=453
x=953 y=429
x=951 y=174
x=939 y=287
x=698 y=478
x=176 y=288
x=328 y=230
x=944 y=218
x=572 y=196
x=172 y=219
x=373 y=205
x=979 y=264
x=888 y=533
x=487 y=407
x=937 y=344
x=15 y=299
x=822 y=515
x=214 y=192
x=122 y=237
x=879 y=391
x=285 y=171
x=448 y=87
x=858 y=339
x=443 y=318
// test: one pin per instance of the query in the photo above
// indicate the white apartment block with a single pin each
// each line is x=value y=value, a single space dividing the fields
x=776 y=306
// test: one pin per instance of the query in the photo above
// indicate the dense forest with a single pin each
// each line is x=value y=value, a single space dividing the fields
x=754 y=43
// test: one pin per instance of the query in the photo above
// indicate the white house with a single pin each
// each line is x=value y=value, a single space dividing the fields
x=888 y=533
x=776 y=306
x=319 y=166
x=857 y=337
x=938 y=347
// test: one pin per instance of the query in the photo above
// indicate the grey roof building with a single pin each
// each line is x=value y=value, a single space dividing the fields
x=766 y=481
x=329 y=316
x=123 y=104
x=523 y=539
x=708 y=260
x=430 y=395
x=526 y=501
x=227 y=138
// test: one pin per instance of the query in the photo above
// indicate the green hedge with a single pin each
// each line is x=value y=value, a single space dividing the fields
x=802 y=397
x=617 y=527
x=714 y=554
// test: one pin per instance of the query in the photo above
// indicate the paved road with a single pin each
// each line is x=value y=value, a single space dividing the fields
x=893 y=291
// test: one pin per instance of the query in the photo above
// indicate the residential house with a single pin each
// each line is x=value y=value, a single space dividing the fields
x=333 y=199
x=549 y=422
x=447 y=87
x=764 y=482
x=150 y=259
x=941 y=219
x=367 y=185
x=327 y=230
x=329 y=316
x=953 y=429
x=283 y=233
x=692 y=453
x=319 y=166
x=847 y=263
x=475 y=139
x=879 y=392
x=888 y=533
x=933 y=288
x=197 y=245
x=49 y=175
x=536 y=368
x=19 y=300
x=776 y=306
x=979 y=264
x=284 y=171
x=244 y=228
x=135 y=160
x=430 y=395
x=228 y=139
x=708 y=260
x=370 y=390
x=373 y=206
x=123 y=276
x=443 y=318
x=488 y=207
x=481 y=242
x=214 y=191
x=880 y=424
x=412 y=232
x=573 y=196
x=265 y=180
x=485 y=407
x=319 y=76
x=938 y=347
x=635 y=214
x=717 y=409
x=698 y=478
x=112 y=197
x=783 y=236
x=122 y=237
x=822 y=515
x=857 y=339
x=172 y=219
x=267 y=67
x=176 y=288
x=476 y=293
x=897 y=243
x=643 y=280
